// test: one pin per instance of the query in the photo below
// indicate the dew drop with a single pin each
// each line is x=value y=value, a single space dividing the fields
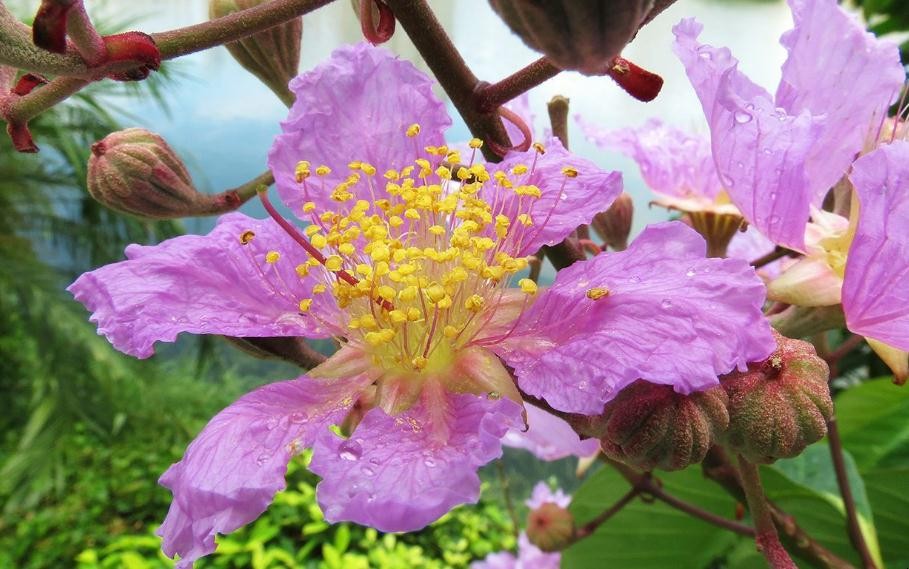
x=727 y=180
x=263 y=458
x=691 y=272
x=430 y=462
x=635 y=279
x=772 y=195
x=374 y=461
x=271 y=423
x=368 y=471
x=350 y=450
x=742 y=117
x=298 y=417
x=704 y=52
x=767 y=151
x=666 y=303
x=774 y=219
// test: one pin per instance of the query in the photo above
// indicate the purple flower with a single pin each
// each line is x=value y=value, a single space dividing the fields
x=407 y=261
x=779 y=155
x=549 y=438
x=676 y=165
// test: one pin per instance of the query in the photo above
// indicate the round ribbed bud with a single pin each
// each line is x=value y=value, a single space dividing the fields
x=581 y=35
x=550 y=527
x=779 y=406
x=614 y=225
x=651 y=426
x=272 y=55
x=134 y=171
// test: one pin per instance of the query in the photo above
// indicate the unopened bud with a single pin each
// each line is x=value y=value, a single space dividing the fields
x=272 y=55
x=134 y=171
x=614 y=225
x=651 y=426
x=780 y=405
x=581 y=35
x=550 y=527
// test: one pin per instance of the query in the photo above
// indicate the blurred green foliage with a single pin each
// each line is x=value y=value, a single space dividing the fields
x=886 y=17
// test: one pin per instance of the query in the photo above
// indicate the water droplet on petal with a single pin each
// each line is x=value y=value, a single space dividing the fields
x=350 y=450
x=666 y=303
x=772 y=195
x=774 y=219
x=635 y=279
x=691 y=272
x=742 y=117
x=430 y=462
x=263 y=458
x=704 y=52
x=298 y=417
x=271 y=423
x=727 y=180
x=368 y=471
x=374 y=461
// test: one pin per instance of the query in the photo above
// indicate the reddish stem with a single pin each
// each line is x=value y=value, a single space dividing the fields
x=490 y=97
x=517 y=121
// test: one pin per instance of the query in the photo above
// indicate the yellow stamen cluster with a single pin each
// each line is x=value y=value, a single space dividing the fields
x=422 y=265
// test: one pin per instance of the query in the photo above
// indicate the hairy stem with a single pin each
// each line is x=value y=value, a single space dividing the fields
x=491 y=96
x=587 y=529
x=767 y=540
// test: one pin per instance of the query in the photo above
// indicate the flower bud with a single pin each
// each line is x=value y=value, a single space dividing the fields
x=272 y=55
x=614 y=225
x=134 y=171
x=651 y=426
x=780 y=405
x=550 y=527
x=581 y=35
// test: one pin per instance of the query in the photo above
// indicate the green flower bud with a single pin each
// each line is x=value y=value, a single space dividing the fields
x=651 y=426
x=779 y=406
x=272 y=55
x=134 y=171
x=550 y=527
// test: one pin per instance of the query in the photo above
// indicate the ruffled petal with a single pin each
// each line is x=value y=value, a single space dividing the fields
x=233 y=469
x=565 y=202
x=671 y=316
x=356 y=106
x=402 y=472
x=876 y=285
x=672 y=162
x=549 y=438
x=760 y=150
x=837 y=70
x=210 y=284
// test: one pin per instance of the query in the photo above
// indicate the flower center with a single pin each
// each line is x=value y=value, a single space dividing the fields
x=422 y=265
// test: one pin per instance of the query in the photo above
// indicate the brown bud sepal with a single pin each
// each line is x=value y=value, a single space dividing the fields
x=780 y=405
x=651 y=426
x=550 y=527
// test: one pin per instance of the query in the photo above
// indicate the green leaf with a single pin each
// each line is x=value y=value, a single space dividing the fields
x=813 y=477
x=890 y=502
x=873 y=425
x=650 y=535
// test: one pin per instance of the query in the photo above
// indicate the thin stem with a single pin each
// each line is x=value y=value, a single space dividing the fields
x=231 y=199
x=777 y=253
x=506 y=495
x=841 y=351
x=450 y=70
x=232 y=27
x=767 y=540
x=84 y=36
x=591 y=526
x=491 y=97
x=39 y=100
x=852 y=523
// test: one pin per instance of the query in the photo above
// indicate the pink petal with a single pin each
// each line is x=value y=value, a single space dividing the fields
x=876 y=286
x=400 y=473
x=355 y=106
x=807 y=282
x=837 y=70
x=672 y=317
x=760 y=150
x=549 y=438
x=565 y=203
x=672 y=162
x=208 y=284
x=542 y=494
x=233 y=469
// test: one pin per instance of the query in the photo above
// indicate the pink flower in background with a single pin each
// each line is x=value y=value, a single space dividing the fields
x=779 y=155
x=529 y=556
x=549 y=438
x=407 y=263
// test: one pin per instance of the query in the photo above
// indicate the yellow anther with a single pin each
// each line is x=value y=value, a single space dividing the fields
x=530 y=190
x=305 y=305
x=347 y=249
x=380 y=337
x=363 y=269
x=435 y=293
x=445 y=303
x=570 y=172
x=475 y=303
x=450 y=331
x=414 y=314
x=386 y=292
x=246 y=237
x=355 y=165
x=437 y=230
x=520 y=169
x=381 y=269
x=494 y=272
x=397 y=317
x=319 y=288
x=334 y=263
x=302 y=269
x=413 y=130
x=301 y=172
x=272 y=257
x=423 y=164
x=368 y=322
x=528 y=286
x=323 y=170
x=597 y=293
x=418 y=363
x=368 y=169
x=475 y=143
x=308 y=207
x=380 y=252
x=399 y=255
x=313 y=262
x=538 y=146
x=411 y=213
x=392 y=175
x=525 y=220
x=463 y=173
x=457 y=275
x=408 y=293
x=318 y=240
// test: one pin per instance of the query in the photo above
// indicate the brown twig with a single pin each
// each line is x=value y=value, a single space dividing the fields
x=777 y=253
x=587 y=529
x=490 y=97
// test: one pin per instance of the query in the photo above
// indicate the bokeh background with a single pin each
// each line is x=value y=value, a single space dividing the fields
x=86 y=431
